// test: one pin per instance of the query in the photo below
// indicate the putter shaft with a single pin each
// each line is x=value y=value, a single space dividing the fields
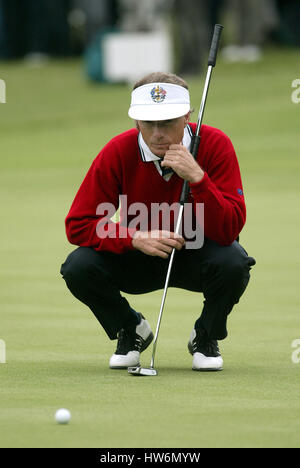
x=179 y=219
x=166 y=287
x=211 y=63
x=203 y=100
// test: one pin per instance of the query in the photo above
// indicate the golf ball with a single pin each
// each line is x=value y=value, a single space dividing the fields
x=62 y=416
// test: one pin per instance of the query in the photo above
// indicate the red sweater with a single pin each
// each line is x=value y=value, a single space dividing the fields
x=119 y=170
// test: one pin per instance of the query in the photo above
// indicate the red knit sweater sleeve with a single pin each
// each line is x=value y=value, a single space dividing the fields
x=221 y=188
x=89 y=222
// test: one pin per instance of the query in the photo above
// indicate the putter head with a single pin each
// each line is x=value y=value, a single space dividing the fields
x=142 y=371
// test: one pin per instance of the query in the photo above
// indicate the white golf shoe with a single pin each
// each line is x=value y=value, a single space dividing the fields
x=206 y=354
x=130 y=344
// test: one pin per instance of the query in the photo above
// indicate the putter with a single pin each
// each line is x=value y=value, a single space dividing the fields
x=150 y=371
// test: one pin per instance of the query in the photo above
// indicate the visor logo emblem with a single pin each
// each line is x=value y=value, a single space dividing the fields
x=158 y=94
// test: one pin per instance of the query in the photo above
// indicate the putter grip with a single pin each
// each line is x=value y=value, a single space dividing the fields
x=194 y=151
x=215 y=45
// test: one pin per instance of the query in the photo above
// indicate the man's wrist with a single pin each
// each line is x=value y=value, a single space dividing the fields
x=196 y=177
x=134 y=238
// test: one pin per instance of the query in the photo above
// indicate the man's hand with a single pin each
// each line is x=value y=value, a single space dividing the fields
x=157 y=243
x=182 y=162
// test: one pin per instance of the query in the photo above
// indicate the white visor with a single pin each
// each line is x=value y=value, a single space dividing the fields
x=159 y=101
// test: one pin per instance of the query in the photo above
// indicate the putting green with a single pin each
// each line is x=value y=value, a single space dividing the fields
x=52 y=126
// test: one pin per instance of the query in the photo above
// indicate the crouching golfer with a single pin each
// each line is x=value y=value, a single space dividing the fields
x=144 y=167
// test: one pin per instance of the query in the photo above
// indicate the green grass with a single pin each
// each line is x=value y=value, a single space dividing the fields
x=53 y=125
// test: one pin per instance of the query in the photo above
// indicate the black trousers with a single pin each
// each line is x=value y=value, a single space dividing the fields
x=97 y=279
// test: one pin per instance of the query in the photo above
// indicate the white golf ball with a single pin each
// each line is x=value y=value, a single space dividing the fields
x=62 y=416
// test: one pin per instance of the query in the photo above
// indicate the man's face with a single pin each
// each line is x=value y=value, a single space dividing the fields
x=159 y=135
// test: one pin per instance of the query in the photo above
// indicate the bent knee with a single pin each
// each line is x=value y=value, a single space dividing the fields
x=78 y=263
x=233 y=261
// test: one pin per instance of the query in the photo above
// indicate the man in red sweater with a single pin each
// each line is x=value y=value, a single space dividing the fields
x=144 y=168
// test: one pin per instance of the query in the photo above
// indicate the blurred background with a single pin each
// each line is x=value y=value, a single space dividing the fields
x=66 y=71
x=36 y=30
x=104 y=30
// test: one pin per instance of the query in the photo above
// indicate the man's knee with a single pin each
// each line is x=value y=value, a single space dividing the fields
x=236 y=270
x=78 y=264
x=233 y=264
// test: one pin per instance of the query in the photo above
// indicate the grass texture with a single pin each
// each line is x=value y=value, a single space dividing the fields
x=53 y=125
